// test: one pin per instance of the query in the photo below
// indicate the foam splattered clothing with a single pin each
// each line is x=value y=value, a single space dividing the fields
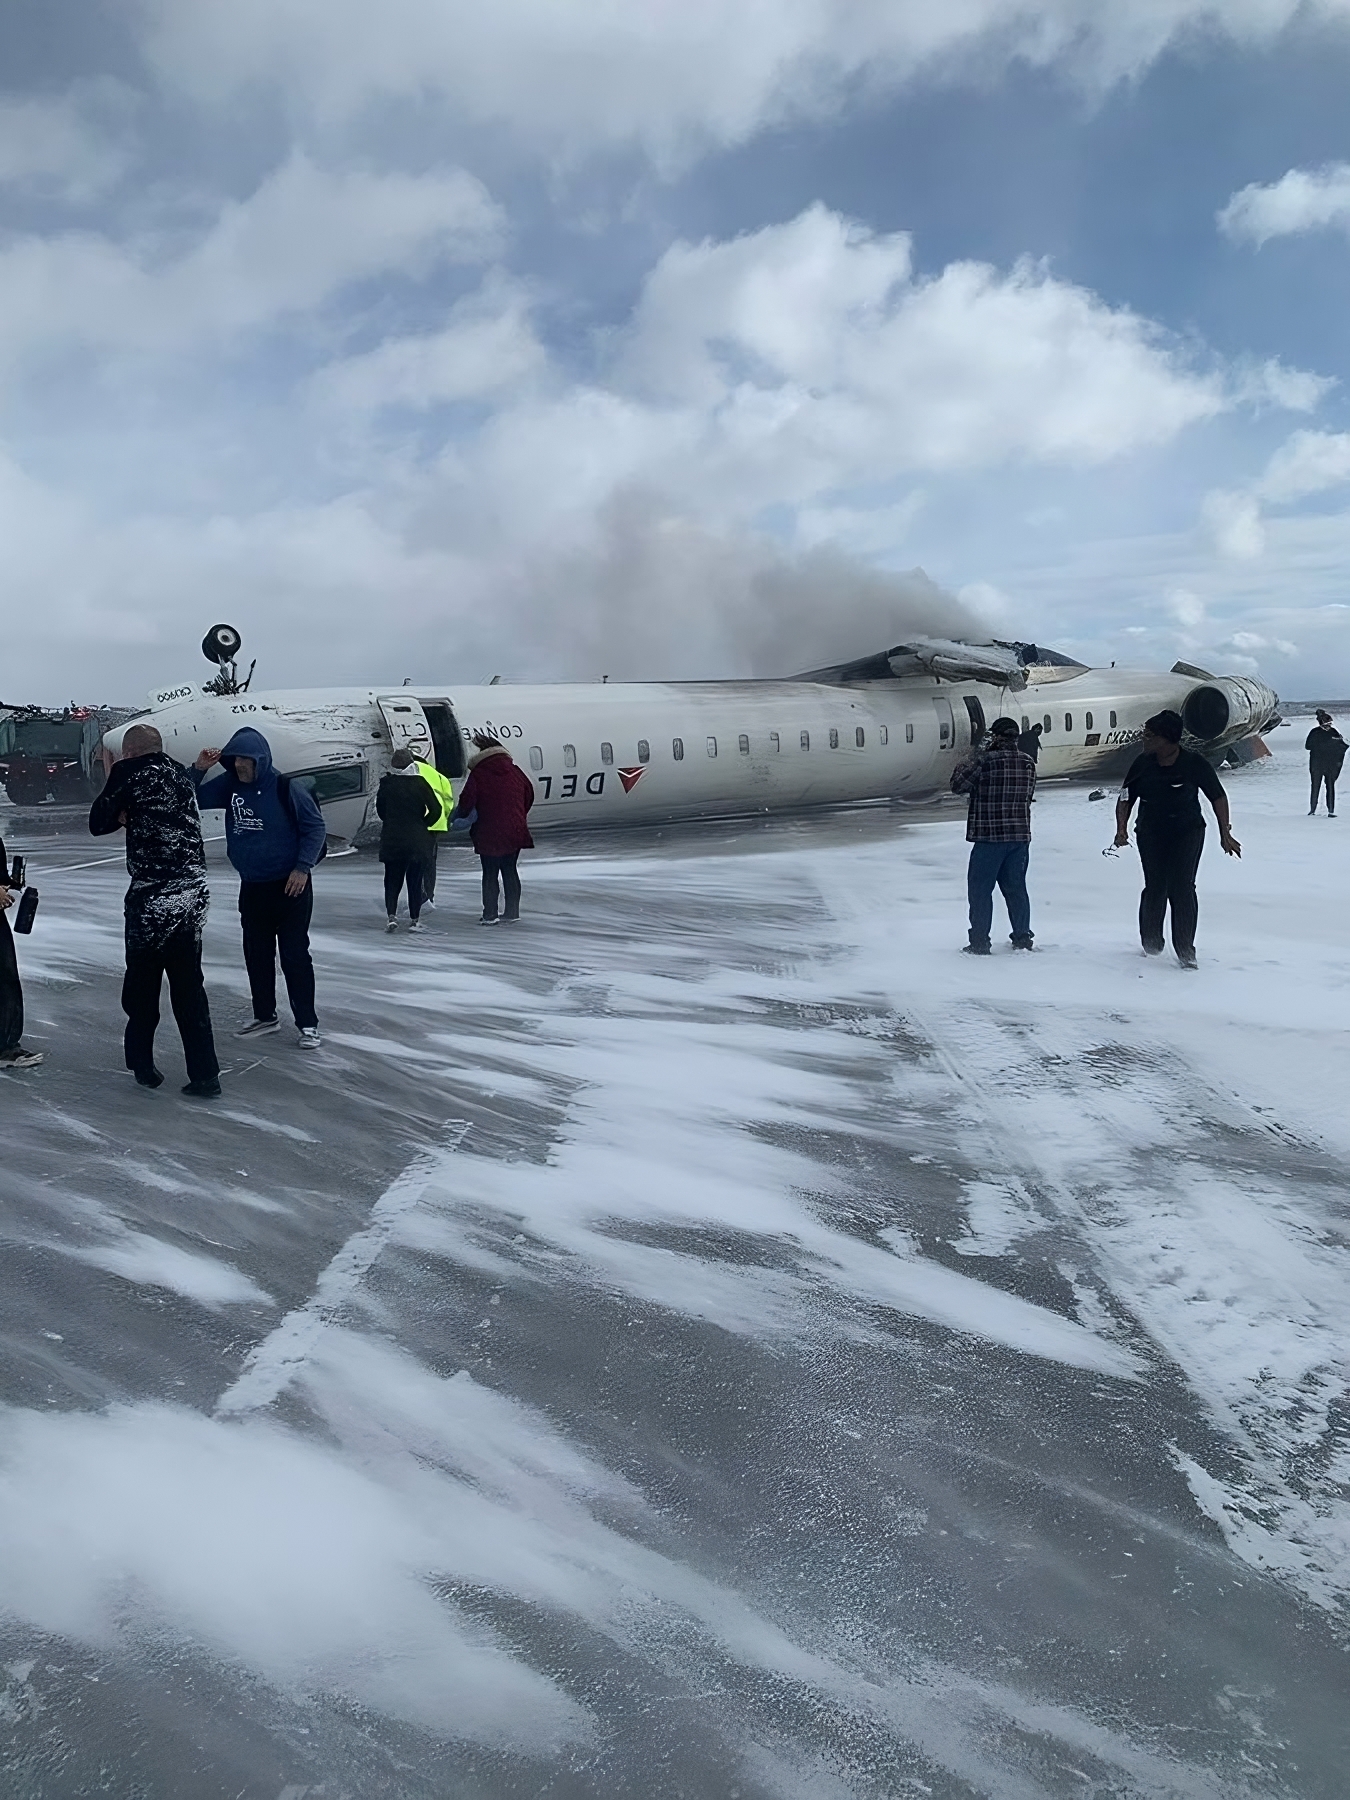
x=165 y=856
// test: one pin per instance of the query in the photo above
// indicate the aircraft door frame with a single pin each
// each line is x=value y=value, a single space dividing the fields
x=978 y=727
x=407 y=725
x=451 y=756
x=942 y=706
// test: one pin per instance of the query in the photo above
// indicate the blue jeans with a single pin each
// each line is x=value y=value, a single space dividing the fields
x=1006 y=865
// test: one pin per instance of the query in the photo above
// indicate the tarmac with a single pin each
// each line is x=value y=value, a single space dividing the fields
x=708 y=1340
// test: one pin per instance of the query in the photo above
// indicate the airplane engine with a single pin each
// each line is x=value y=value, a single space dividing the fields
x=1226 y=708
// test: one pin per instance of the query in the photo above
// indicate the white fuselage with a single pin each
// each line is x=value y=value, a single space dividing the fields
x=628 y=753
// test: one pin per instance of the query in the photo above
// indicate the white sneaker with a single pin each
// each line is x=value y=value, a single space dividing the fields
x=259 y=1027
x=391 y=924
x=428 y=905
x=20 y=1059
x=309 y=1037
x=415 y=925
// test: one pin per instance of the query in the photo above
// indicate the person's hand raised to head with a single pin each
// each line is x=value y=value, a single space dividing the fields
x=206 y=758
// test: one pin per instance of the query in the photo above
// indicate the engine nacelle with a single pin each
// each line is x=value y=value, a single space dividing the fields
x=1226 y=708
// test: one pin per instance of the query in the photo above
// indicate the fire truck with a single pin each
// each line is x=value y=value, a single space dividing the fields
x=52 y=755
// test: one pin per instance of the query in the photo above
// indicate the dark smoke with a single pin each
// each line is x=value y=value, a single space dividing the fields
x=656 y=596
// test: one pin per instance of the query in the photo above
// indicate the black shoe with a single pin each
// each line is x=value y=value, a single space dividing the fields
x=1154 y=949
x=1187 y=959
x=1023 y=943
x=510 y=918
x=150 y=1077
x=976 y=950
x=204 y=1090
x=485 y=920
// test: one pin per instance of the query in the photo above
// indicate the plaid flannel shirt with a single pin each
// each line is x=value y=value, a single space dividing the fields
x=1000 y=783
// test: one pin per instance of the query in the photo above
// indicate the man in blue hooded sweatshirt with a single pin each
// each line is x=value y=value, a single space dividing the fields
x=274 y=835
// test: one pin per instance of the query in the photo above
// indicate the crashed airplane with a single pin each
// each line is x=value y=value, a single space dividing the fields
x=886 y=727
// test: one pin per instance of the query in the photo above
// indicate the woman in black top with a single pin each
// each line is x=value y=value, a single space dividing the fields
x=1167 y=781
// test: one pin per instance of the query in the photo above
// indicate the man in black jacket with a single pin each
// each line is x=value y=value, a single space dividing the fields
x=154 y=798
x=408 y=809
x=12 y=1053
x=1326 y=753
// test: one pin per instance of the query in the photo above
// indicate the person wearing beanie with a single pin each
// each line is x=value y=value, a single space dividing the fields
x=497 y=796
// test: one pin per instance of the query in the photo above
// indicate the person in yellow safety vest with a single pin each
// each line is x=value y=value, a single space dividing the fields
x=440 y=785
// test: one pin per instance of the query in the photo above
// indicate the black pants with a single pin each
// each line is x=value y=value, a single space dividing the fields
x=505 y=866
x=395 y=874
x=429 y=867
x=277 y=924
x=1317 y=779
x=180 y=958
x=1170 y=861
x=11 y=994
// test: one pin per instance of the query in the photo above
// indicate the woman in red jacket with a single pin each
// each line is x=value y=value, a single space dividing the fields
x=500 y=795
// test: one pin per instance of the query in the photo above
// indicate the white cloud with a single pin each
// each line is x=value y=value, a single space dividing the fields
x=1301 y=200
x=1308 y=463
x=581 y=75
x=70 y=148
x=1186 y=608
x=303 y=235
x=1274 y=384
x=812 y=354
x=487 y=344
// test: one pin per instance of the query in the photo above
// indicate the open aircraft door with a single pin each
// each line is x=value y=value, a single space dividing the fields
x=408 y=726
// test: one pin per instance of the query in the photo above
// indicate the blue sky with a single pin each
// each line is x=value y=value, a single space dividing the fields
x=558 y=339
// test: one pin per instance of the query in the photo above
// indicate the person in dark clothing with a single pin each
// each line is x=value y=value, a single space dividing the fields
x=408 y=808
x=1326 y=753
x=12 y=1053
x=1000 y=779
x=274 y=835
x=1029 y=743
x=498 y=797
x=1167 y=781
x=153 y=797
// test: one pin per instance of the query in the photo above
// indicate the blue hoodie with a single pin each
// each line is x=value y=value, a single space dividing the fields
x=265 y=837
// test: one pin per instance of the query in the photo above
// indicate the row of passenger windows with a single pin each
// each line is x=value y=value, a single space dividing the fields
x=1047 y=723
x=775 y=741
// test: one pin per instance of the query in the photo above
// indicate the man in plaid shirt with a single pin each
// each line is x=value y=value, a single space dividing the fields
x=1000 y=780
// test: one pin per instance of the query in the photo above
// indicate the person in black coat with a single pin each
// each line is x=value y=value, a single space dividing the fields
x=12 y=1053
x=1326 y=753
x=153 y=798
x=1029 y=743
x=407 y=809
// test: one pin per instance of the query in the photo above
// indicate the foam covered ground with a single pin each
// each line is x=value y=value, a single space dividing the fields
x=712 y=1340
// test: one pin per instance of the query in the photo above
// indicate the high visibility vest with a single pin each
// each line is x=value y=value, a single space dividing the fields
x=444 y=792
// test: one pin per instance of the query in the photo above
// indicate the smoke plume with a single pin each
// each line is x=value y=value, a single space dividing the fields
x=653 y=595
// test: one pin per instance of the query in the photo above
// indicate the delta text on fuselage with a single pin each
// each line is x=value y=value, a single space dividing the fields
x=887 y=727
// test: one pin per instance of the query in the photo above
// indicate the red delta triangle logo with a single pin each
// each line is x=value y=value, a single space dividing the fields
x=631 y=777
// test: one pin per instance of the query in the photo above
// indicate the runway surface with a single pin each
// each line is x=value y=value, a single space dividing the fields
x=712 y=1339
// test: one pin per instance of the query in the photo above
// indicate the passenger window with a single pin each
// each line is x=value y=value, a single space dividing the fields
x=1113 y=721
x=1046 y=722
x=536 y=757
x=806 y=740
x=909 y=734
x=744 y=744
x=569 y=756
x=712 y=746
x=885 y=734
x=834 y=738
x=607 y=753
x=773 y=741
x=644 y=750
x=859 y=737
x=1068 y=721
x=1087 y=721
x=677 y=749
